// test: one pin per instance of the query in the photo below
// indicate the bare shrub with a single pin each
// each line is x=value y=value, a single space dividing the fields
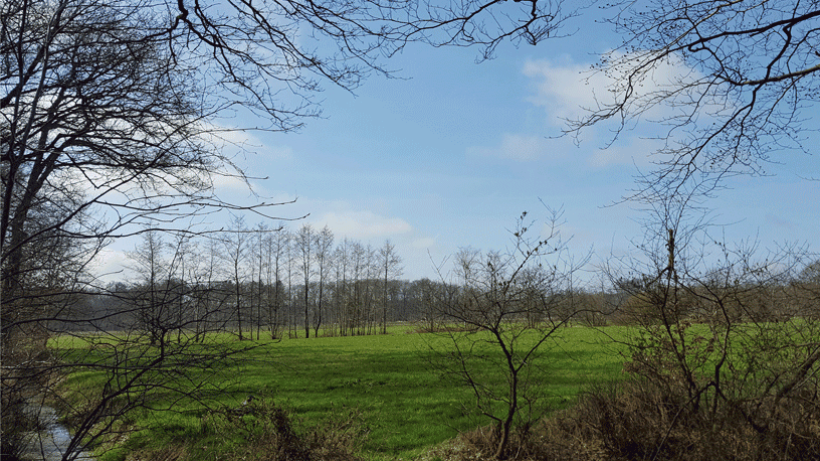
x=511 y=305
x=724 y=350
x=638 y=420
x=270 y=433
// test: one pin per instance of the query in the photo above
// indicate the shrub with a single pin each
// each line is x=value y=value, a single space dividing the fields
x=641 y=421
x=270 y=433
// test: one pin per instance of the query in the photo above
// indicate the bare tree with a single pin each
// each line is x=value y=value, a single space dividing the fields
x=277 y=244
x=324 y=245
x=341 y=257
x=258 y=268
x=355 y=304
x=499 y=292
x=743 y=85
x=305 y=245
x=371 y=289
x=390 y=263
x=290 y=258
x=427 y=297
x=727 y=337
x=210 y=296
x=150 y=290
x=236 y=245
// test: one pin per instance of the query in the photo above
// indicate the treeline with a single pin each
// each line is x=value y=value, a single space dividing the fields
x=300 y=283
x=262 y=282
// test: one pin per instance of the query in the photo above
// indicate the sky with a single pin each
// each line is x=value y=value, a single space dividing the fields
x=448 y=154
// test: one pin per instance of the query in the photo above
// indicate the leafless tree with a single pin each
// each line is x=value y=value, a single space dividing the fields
x=370 y=294
x=725 y=334
x=487 y=322
x=236 y=243
x=390 y=268
x=305 y=240
x=257 y=269
x=210 y=295
x=277 y=243
x=290 y=258
x=427 y=297
x=341 y=258
x=743 y=85
x=151 y=289
x=324 y=247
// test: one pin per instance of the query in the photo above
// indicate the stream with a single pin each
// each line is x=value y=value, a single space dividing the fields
x=50 y=443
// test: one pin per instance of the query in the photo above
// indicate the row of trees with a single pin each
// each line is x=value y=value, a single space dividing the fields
x=261 y=278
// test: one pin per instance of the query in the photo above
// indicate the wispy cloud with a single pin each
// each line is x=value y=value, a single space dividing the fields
x=423 y=243
x=362 y=224
x=522 y=148
x=569 y=91
x=111 y=265
x=566 y=91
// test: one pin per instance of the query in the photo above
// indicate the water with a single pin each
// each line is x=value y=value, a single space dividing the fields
x=51 y=443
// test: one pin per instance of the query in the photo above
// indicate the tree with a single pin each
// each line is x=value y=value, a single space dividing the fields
x=257 y=270
x=290 y=258
x=746 y=80
x=341 y=256
x=150 y=291
x=727 y=339
x=490 y=323
x=210 y=296
x=389 y=263
x=305 y=244
x=371 y=271
x=277 y=244
x=426 y=297
x=811 y=273
x=235 y=244
x=324 y=245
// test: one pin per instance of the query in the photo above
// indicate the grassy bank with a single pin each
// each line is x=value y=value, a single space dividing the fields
x=402 y=403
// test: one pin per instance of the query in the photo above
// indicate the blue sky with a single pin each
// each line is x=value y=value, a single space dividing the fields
x=449 y=154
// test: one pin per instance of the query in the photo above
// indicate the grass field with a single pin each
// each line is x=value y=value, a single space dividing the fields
x=404 y=404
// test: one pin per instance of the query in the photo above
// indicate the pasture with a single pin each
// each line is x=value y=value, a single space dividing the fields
x=389 y=384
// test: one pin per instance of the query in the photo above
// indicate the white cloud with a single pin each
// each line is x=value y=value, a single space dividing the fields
x=569 y=91
x=362 y=224
x=224 y=183
x=111 y=265
x=565 y=91
x=516 y=147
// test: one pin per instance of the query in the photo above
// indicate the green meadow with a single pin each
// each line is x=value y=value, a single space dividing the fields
x=390 y=384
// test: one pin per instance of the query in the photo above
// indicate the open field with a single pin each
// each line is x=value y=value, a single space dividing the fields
x=403 y=403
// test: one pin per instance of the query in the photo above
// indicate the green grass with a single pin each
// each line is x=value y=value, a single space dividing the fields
x=404 y=404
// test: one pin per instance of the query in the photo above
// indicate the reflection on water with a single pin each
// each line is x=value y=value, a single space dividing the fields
x=51 y=443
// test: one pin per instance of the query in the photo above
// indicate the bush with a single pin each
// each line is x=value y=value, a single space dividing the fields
x=639 y=421
x=270 y=433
